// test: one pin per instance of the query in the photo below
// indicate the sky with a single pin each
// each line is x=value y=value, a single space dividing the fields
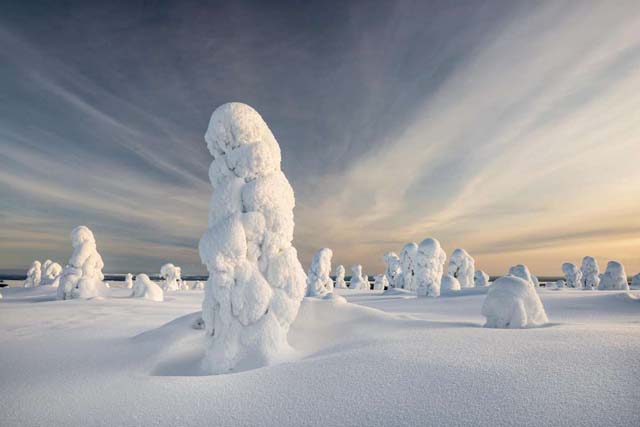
x=511 y=129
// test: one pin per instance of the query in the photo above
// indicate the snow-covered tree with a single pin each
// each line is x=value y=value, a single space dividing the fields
x=380 y=282
x=407 y=280
x=559 y=284
x=256 y=282
x=82 y=276
x=172 y=277
x=51 y=273
x=357 y=280
x=449 y=284
x=635 y=281
x=429 y=263
x=34 y=275
x=462 y=267
x=590 y=273
x=128 y=281
x=480 y=279
x=522 y=272
x=513 y=303
x=198 y=285
x=614 y=277
x=147 y=288
x=393 y=270
x=319 y=281
x=572 y=275
x=340 y=283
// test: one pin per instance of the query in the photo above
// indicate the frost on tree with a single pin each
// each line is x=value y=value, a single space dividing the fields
x=393 y=270
x=82 y=276
x=34 y=275
x=380 y=282
x=462 y=267
x=128 y=281
x=319 y=281
x=408 y=265
x=357 y=280
x=429 y=267
x=147 y=288
x=614 y=277
x=590 y=273
x=522 y=272
x=635 y=281
x=480 y=279
x=513 y=303
x=51 y=273
x=256 y=283
x=449 y=284
x=340 y=283
x=572 y=275
x=172 y=277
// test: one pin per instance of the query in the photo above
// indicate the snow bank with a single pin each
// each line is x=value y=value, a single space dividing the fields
x=319 y=281
x=522 y=272
x=34 y=275
x=393 y=270
x=357 y=280
x=513 y=303
x=172 y=277
x=480 y=279
x=82 y=276
x=381 y=282
x=572 y=275
x=614 y=277
x=590 y=273
x=449 y=284
x=635 y=281
x=340 y=283
x=128 y=281
x=429 y=267
x=147 y=288
x=408 y=264
x=462 y=267
x=256 y=282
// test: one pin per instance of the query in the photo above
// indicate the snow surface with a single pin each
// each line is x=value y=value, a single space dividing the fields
x=462 y=267
x=614 y=277
x=82 y=276
x=340 y=282
x=513 y=302
x=142 y=368
x=319 y=282
x=429 y=267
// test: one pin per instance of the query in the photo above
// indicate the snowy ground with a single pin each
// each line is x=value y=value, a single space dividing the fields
x=382 y=360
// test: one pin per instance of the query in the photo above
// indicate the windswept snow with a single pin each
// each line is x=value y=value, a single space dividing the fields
x=34 y=275
x=572 y=275
x=357 y=280
x=614 y=277
x=319 y=282
x=146 y=288
x=462 y=267
x=429 y=267
x=340 y=283
x=513 y=302
x=590 y=273
x=82 y=276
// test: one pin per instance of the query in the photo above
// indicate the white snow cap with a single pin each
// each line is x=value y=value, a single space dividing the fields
x=407 y=279
x=635 y=281
x=513 y=303
x=429 y=267
x=34 y=275
x=256 y=283
x=480 y=279
x=82 y=276
x=393 y=270
x=614 y=277
x=590 y=273
x=380 y=282
x=128 y=281
x=340 y=283
x=147 y=288
x=572 y=275
x=522 y=272
x=449 y=284
x=357 y=280
x=172 y=277
x=319 y=281
x=462 y=267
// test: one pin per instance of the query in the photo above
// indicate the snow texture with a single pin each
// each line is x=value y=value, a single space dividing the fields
x=393 y=270
x=34 y=275
x=147 y=288
x=128 y=281
x=522 y=272
x=172 y=277
x=572 y=275
x=462 y=267
x=319 y=281
x=357 y=280
x=340 y=283
x=429 y=267
x=82 y=276
x=381 y=282
x=449 y=284
x=614 y=278
x=256 y=282
x=480 y=279
x=513 y=303
x=407 y=280
x=590 y=273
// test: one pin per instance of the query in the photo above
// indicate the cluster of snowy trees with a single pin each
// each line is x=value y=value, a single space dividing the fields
x=46 y=274
x=588 y=276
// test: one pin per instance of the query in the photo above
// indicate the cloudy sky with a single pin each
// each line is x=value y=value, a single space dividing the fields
x=511 y=129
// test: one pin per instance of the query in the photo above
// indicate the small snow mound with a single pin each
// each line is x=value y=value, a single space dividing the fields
x=335 y=298
x=147 y=288
x=614 y=278
x=513 y=303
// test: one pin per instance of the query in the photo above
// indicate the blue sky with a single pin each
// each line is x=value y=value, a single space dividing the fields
x=508 y=128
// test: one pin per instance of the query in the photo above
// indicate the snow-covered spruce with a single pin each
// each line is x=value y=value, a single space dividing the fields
x=635 y=281
x=128 y=281
x=590 y=273
x=614 y=277
x=407 y=279
x=429 y=267
x=340 y=283
x=522 y=272
x=572 y=275
x=319 y=281
x=51 y=273
x=34 y=275
x=513 y=303
x=381 y=282
x=559 y=284
x=462 y=267
x=480 y=279
x=393 y=270
x=172 y=277
x=147 y=288
x=198 y=285
x=82 y=276
x=256 y=282
x=357 y=280
x=449 y=284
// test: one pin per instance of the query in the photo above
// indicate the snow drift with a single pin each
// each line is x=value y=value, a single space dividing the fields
x=82 y=276
x=429 y=267
x=513 y=302
x=462 y=267
x=319 y=282
x=147 y=288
